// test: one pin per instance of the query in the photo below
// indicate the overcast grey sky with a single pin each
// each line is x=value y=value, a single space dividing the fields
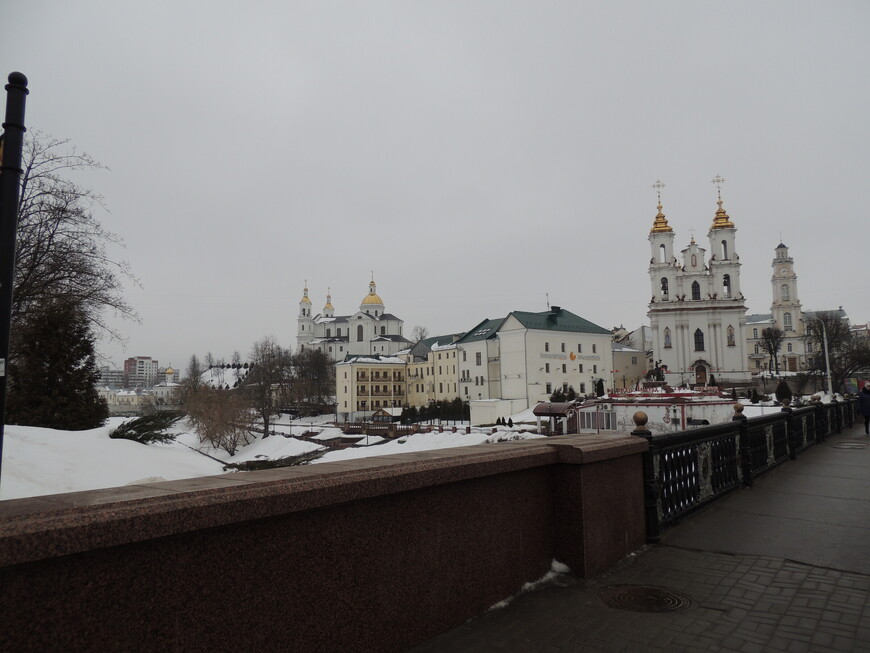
x=475 y=155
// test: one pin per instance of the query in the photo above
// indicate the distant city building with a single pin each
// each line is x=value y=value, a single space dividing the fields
x=369 y=331
x=140 y=372
x=111 y=378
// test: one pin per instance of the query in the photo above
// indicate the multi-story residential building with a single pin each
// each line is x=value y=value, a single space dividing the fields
x=364 y=384
x=369 y=331
x=432 y=370
x=111 y=378
x=697 y=311
x=140 y=372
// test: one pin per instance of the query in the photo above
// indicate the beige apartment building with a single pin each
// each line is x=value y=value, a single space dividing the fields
x=365 y=384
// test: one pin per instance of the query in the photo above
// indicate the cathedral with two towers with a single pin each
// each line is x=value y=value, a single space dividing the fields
x=697 y=311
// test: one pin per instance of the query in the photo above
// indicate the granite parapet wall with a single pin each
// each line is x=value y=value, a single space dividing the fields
x=374 y=554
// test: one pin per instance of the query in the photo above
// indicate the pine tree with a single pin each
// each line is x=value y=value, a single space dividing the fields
x=53 y=371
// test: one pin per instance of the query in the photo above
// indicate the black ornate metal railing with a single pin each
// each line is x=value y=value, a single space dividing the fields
x=686 y=470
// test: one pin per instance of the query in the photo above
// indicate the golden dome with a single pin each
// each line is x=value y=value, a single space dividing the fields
x=305 y=299
x=721 y=220
x=661 y=224
x=328 y=306
x=372 y=297
x=169 y=370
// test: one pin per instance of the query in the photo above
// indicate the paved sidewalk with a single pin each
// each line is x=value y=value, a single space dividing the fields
x=783 y=566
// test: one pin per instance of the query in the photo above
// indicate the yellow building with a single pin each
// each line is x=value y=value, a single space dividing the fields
x=364 y=384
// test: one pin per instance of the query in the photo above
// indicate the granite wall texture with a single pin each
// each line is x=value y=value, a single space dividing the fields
x=376 y=554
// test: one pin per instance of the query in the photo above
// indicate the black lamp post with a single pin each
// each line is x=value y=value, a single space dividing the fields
x=10 y=174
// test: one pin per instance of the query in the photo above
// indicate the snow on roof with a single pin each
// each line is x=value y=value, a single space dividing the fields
x=377 y=360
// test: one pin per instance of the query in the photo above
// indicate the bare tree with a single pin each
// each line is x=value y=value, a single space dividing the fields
x=62 y=249
x=266 y=383
x=192 y=379
x=848 y=355
x=771 y=342
x=312 y=378
x=221 y=418
x=419 y=333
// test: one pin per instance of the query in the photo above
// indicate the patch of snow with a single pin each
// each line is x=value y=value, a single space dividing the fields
x=39 y=461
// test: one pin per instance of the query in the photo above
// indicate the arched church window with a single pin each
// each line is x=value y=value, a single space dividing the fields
x=725 y=249
x=699 y=340
x=730 y=336
x=696 y=291
x=359 y=333
x=383 y=330
x=329 y=333
x=665 y=287
x=789 y=347
x=786 y=321
x=755 y=335
x=662 y=254
x=757 y=348
x=667 y=338
x=726 y=285
x=785 y=292
x=694 y=261
x=338 y=333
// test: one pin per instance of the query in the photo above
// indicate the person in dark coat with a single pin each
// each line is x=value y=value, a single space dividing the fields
x=864 y=406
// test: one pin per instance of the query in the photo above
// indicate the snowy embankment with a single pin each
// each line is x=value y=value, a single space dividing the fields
x=423 y=442
x=39 y=461
x=45 y=461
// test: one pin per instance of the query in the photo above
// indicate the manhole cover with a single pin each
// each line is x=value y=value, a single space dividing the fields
x=643 y=598
x=849 y=445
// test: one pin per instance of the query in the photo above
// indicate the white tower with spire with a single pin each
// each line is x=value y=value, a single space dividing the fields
x=305 y=321
x=786 y=312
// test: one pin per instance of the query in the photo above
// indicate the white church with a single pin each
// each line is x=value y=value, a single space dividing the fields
x=370 y=330
x=697 y=311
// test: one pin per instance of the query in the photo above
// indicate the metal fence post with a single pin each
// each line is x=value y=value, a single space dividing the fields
x=791 y=431
x=650 y=482
x=744 y=452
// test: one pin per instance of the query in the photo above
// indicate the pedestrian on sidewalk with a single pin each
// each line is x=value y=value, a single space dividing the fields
x=864 y=406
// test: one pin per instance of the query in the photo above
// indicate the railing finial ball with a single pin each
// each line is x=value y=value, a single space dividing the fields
x=640 y=419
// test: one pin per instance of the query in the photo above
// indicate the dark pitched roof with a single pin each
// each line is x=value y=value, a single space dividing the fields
x=391 y=338
x=482 y=331
x=558 y=319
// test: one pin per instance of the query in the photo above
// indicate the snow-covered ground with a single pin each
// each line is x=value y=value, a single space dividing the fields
x=45 y=461
x=38 y=461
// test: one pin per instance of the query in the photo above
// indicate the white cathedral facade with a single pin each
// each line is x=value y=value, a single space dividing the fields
x=370 y=330
x=697 y=311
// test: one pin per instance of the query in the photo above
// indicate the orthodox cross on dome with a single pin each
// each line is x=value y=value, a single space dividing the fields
x=658 y=186
x=717 y=181
x=721 y=221
x=661 y=224
x=692 y=232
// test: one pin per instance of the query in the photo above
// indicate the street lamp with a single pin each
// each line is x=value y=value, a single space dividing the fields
x=827 y=359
